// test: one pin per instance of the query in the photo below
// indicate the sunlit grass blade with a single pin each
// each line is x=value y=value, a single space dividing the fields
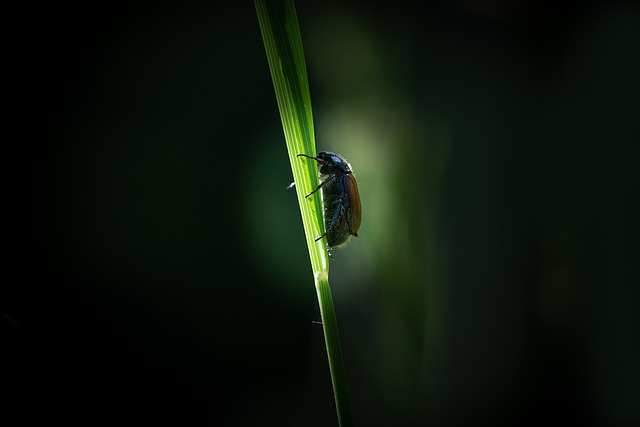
x=283 y=44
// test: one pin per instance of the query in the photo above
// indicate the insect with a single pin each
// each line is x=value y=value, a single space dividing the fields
x=340 y=196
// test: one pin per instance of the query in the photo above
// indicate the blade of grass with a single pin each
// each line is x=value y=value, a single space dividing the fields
x=283 y=44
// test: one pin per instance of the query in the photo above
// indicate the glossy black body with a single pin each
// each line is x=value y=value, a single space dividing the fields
x=340 y=198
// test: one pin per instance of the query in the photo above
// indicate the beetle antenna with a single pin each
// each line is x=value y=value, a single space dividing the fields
x=309 y=157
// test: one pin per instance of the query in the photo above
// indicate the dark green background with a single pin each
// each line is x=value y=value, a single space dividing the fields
x=157 y=266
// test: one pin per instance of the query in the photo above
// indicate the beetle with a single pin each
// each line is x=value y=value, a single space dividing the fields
x=340 y=198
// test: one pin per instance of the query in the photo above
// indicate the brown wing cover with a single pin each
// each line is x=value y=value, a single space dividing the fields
x=354 y=216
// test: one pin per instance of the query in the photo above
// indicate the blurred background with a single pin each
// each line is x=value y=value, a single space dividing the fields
x=157 y=264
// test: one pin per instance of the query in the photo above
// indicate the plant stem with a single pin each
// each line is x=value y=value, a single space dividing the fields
x=334 y=352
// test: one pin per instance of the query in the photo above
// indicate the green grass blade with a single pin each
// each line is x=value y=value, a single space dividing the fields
x=283 y=44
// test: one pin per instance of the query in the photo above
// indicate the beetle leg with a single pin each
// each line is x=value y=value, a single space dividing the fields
x=336 y=214
x=333 y=222
x=326 y=181
x=320 y=236
x=334 y=219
